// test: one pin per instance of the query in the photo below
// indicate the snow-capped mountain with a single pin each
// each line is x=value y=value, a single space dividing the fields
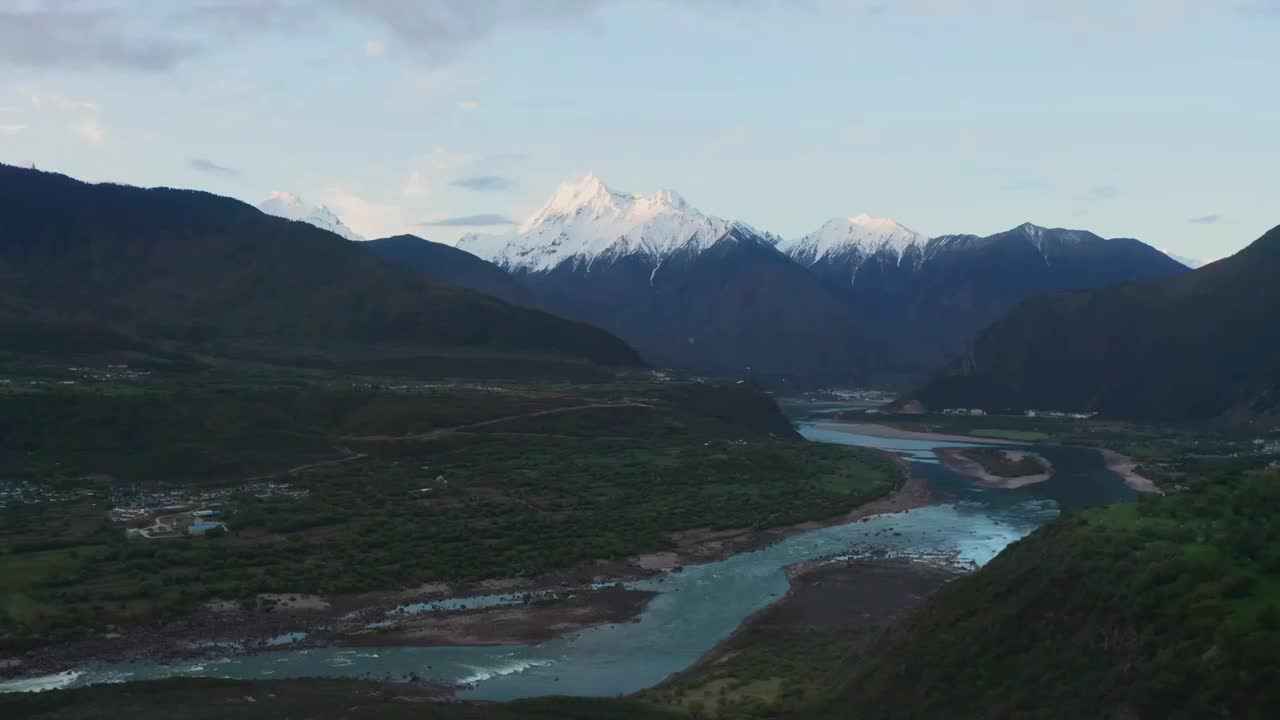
x=292 y=207
x=859 y=298
x=685 y=288
x=860 y=236
x=587 y=220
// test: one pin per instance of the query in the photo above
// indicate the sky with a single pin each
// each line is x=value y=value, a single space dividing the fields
x=1155 y=119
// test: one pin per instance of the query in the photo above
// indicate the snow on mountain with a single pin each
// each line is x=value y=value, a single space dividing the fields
x=1192 y=263
x=861 y=235
x=292 y=207
x=587 y=219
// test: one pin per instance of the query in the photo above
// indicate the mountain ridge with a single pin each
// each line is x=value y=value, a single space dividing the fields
x=194 y=270
x=291 y=207
x=1199 y=344
x=907 y=303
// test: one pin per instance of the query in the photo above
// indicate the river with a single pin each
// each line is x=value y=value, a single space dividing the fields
x=694 y=609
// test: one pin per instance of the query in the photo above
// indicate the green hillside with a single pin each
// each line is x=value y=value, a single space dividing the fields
x=1167 y=608
x=109 y=268
x=1198 y=345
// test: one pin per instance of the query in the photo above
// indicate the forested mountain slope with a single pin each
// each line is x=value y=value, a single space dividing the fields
x=191 y=270
x=1197 y=345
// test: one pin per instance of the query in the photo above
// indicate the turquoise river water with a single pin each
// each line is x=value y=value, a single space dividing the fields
x=695 y=609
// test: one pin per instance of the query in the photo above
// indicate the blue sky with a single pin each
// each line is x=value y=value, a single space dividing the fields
x=1155 y=119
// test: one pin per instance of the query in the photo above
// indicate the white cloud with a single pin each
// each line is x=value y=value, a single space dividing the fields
x=444 y=159
x=13 y=129
x=433 y=83
x=40 y=100
x=468 y=104
x=88 y=130
x=414 y=187
x=370 y=218
x=375 y=48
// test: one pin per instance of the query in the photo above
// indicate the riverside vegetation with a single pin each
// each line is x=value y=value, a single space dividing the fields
x=1164 y=608
x=435 y=483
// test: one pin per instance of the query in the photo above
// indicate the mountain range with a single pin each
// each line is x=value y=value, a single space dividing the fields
x=1201 y=344
x=860 y=299
x=292 y=207
x=112 y=268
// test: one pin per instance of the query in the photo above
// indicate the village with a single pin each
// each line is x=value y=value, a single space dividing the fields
x=153 y=514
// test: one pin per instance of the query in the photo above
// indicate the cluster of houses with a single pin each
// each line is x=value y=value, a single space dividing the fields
x=1059 y=415
x=975 y=412
x=1052 y=414
x=1268 y=446
x=12 y=493
x=192 y=523
x=850 y=395
x=111 y=373
x=132 y=505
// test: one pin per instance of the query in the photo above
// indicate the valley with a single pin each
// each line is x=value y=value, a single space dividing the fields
x=641 y=607
x=342 y=379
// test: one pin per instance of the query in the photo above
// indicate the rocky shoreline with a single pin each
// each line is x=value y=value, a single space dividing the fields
x=529 y=611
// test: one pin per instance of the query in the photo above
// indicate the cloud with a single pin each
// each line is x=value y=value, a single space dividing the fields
x=12 y=129
x=88 y=130
x=370 y=218
x=41 y=100
x=414 y=186
x=468 y=104
x=1104 y=192
x=444 y=159
x=878 y=8
x=483 y=183
x=1029 y=185
x=507 y=157
x=1205 y=220
x=210 y=167
x=62 y=36
x=157 y=37
x=436 y=32
x=481 y=220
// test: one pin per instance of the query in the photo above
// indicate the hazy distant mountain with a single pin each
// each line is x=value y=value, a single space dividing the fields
x=685 y=288
x=192 y=270
x=1200 y=344
x=292 y=207
x=1190 y=262
x=448 y=264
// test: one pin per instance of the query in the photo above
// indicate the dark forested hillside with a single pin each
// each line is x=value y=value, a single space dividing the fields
x=131 y=267
x=1166 y=608
x=1198 y=345
x=452 y=266
x=737 y=305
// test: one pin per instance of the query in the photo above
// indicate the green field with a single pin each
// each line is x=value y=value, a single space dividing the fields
x=1018 y=435
x=611 y=471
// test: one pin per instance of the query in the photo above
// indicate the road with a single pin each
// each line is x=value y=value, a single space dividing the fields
x=440 y=432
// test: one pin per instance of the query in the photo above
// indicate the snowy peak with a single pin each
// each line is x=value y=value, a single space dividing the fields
x=858 y=237
x=1190 y=262
x=1040 y=236
x=588 y=198
x=291 y=207
x=587 y=219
